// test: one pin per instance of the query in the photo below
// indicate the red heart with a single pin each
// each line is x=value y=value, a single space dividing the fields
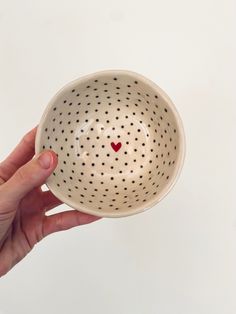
x=116 y=147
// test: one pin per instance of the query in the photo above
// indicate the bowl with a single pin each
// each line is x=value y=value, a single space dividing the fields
x=119 y=140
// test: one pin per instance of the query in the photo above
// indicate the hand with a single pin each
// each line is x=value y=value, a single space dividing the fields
x=23 y=204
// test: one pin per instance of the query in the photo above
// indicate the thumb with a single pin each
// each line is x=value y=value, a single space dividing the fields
x=33 y=174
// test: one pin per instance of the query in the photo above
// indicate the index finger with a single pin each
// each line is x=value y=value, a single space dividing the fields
x=23 y=152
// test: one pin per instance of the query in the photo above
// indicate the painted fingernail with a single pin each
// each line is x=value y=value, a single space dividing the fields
x=45 y=160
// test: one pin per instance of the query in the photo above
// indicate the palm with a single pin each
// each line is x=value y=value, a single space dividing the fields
x=25 y=223
x=32 y=211
x=27 y=227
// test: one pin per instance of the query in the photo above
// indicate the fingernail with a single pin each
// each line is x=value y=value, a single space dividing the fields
x=45 y=160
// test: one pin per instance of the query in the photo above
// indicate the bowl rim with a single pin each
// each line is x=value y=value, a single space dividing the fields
x=179 y=162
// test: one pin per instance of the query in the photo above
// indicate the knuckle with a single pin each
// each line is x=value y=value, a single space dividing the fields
x=26 y=174
x=59 y=223
x=21 y=175
x=24 y=177
x=78 y=219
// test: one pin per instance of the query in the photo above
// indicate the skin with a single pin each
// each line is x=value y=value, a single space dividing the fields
x=23 y=204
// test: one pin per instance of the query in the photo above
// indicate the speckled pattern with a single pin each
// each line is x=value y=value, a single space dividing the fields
x=118 y=143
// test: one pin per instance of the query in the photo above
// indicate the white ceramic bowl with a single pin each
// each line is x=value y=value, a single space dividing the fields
x=119 y=140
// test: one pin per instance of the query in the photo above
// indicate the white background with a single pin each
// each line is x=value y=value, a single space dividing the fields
x=180 y=256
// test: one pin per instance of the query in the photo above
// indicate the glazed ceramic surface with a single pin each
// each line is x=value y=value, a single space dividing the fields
x=119 y=141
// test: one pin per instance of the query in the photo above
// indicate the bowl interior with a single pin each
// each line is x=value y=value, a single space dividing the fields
x=117 y=140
